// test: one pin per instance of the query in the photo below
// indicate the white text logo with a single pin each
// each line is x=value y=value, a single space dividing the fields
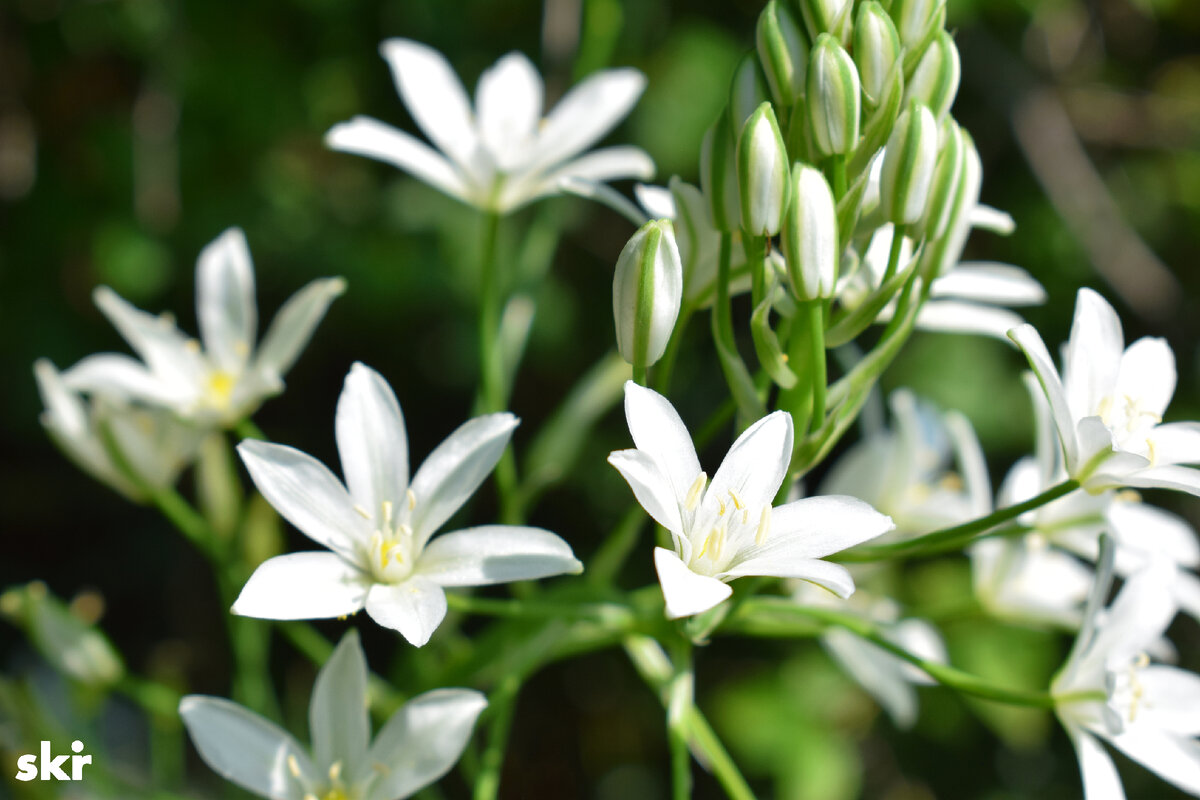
x=52 y=766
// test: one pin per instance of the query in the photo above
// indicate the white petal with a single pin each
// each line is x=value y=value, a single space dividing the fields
x=371 y=138
x=657 y=201
x=987 y=282
x=1138 y=616
x=1176 y=443
x=586 y=113
x=496 y=554
x=833 y=577
x=434 y=96
x=922 y=639
x=294 y=324
x=306 y=494
x=371 y=440
x=951 y=316
x=244 y=748
x=1175 y=759
x=1180 y=479
x=686 y=592
x=454 y=470
x=414 y=608
x=755 y=465
x=1170 y=700
x=156 y=339
x=303 y=586
x=818 y=526
x=422 y=741
x=1100 y=778
x=658 y=431
x=1027 y=338
x=337 y=712
x=876 y=671
x=225 y=306
x=1093 y=353
x=651 y=488
x=608 y=164
x=126 y=377
x=971 y=462
x=1147 y=373
x=986 y=218
x=1152 y=530
x=509 y=102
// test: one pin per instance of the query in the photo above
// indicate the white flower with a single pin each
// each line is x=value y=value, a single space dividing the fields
x=227 y=379
x=153 y=443
x=417 y=746
x=1108 y=404
x=726 y=528
x=379 y=529
x=502 y=154
x=1150 y=712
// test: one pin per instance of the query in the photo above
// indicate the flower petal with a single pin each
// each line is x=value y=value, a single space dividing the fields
x=496 y=554
x=368 y=137
x=875 y=670
x=686 y=592
x=371 y=440
x=165 y=350
x=755 y=465
x=509 y=103
x=434 y=96
x=414 y=608
x=225 y=305
x=656 y=200
x=833 y=577
x=652 y=490
x=1175 y=759
x=1175 y=443
x=658 y=432
x=1093 y=354
x=1180 y=479
x=608 y=164
x=293 y=326
x=952 y=316
x=125 y=377
x=1100 y=778
x=306 y=494
x=244 y=748
x=337 y=712
x=818 y=526
x=586 y=113
x=1147 y=373
x=454 y=470
x=990 y=282
x=1170 y=700
x=1152 y=530
x=309 y=585
x=422 y=741
x=1027 y=338
x=986 y=218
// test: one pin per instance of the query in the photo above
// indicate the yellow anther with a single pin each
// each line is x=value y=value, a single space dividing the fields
x=721 y=505
x=382 y=769
x=192 y=346
x=311 y=796
x=387 y=513
x=745 y=516
x=335 y=771
x=220 y=384
x=737 y=501
x=412 y=499
x=707 y=542
x=718 y=542
x=241 y=349
x=1150 y=451
x=951 y=482
x=293 y=766
x=1141 y=661
x=697 y=489
x=362 y=512
x=764 y=526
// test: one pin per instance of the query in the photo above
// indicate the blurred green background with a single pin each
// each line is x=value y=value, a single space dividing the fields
x=132 y=132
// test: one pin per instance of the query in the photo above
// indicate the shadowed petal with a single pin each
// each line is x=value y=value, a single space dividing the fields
x=434 y=96
x=337 y=712
x=686 y=592
x=496 y=554
x=303 y=586
x=509 y=102
x=371 y=138
x=371 y=440
x=225 y=306
x=414 y=608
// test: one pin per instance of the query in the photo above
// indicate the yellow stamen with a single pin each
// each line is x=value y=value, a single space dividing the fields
x=737 y=501
x=387 y=513
x=362 y=512
x=241 y=349
x=1150 y=451
x=693 y=495
x=412 y=499
x=721 y=504
x=293 y=766
x=220 y=384
x=192 y=346
x=335 y=771
x=764 y=526
x=707 y=542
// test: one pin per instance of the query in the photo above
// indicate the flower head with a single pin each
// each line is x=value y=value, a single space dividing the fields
x=379 y=524
x=726 y=528
x=501 y=154
x=418 y=745
x=222 y=378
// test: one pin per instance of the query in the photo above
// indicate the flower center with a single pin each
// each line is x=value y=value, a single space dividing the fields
x=1128 y=694
x=735 y=523
x=1130 y=420
x=391 y=550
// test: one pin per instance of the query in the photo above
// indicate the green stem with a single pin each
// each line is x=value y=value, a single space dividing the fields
x=894 y=254
x=680 y=702
x=705 y=739
x=666 y=365
x=248 y=430
x=500 y=707
x=838 y=167
x=539 y=609
x=815 y=312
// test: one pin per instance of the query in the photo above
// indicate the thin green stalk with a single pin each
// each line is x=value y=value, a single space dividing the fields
x=538 y=609
x=666 y=365
x=705 y=740
x=680 y=702
x=816 y=339
x=837 y=165
x=894 y=254
x=500 y=706
x=248 y=430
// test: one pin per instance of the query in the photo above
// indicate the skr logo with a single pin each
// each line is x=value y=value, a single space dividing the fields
x=27 y=765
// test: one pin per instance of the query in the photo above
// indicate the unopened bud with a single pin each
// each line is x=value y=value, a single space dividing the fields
x=908 y=165
x=833 y=101
x=748 y=90
x=810 y=234
x=647 y=292
x=828 y=16
x=783 y=51
x=935 y=80
x=876 y=49
x=762 y=168
x=949 y=248
x=914 y=18
x=718 y=175
x=946 y=177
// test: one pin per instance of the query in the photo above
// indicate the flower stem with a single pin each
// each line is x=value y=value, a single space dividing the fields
x=248 y=430
x=894 y=254
x=500 y=706
x=680 y=702
x=838 y=168
x=815 y=312
x=666 y=365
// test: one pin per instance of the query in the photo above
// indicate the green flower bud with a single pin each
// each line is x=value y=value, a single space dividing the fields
x=935 y=80
x=762 y=171
x=718 y=175
x=748 y=91
x=834 y=99
x=810 y=234
x=946 y=177
x=783 y=51
x=948 y=250
x=828 y=16
x=908 y=165
x=914 y=18
x=876 y=49
x=647 y=292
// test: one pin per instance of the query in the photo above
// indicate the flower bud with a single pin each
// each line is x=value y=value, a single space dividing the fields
x=783 y=51
x=908 y=165
x=647 y=292
x=946 y=177
x=747 y=92
x=762 y=172
x=718 y=175
x=914 y=18
x=948 y=250
x=876 y=49
x=810 y=234
x=828 y=16
x=833 y=101
x=935 y=80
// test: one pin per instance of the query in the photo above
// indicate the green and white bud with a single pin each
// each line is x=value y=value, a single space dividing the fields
x=876 y=49
x=748 y=90
x=935 y=80
x=783 y=51
x=762 y=170
x=834 y=100
x=828 y=16
x=947 y=251
x=915 y=18
x=647 y=292
x=810 y=234
x=718 y=175
x=908 y=165
x=946 y=177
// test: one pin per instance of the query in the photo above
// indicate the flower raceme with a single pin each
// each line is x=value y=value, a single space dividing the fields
x=378 y=526
x=727 y=528
x=416 y=747
x=501 y=154
x=220 y=379
x=1109 y=402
